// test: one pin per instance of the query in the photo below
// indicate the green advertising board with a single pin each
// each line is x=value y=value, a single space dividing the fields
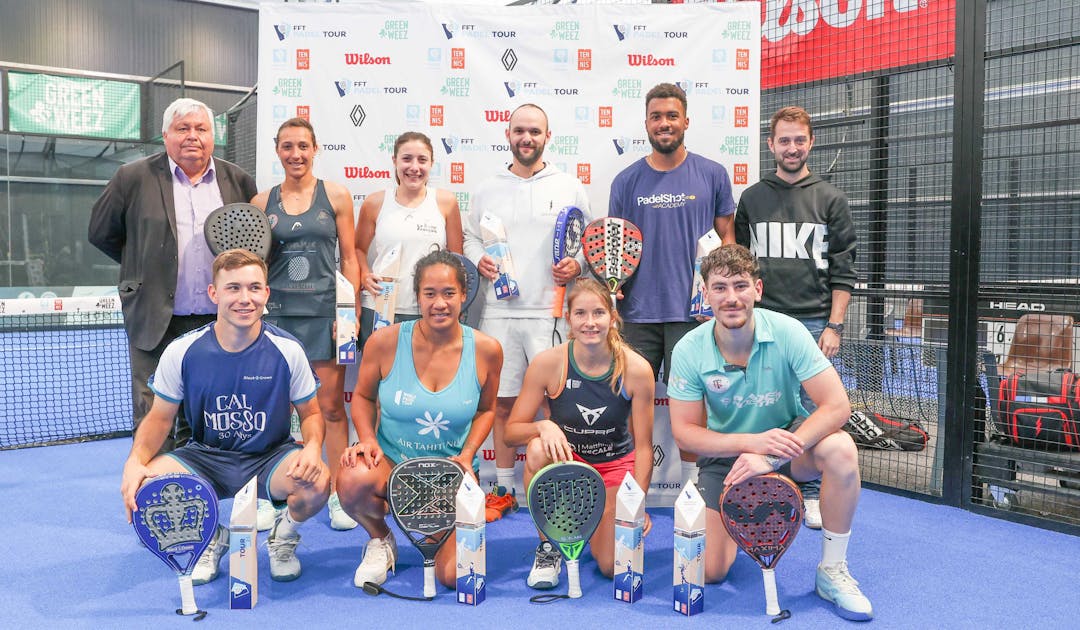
x=73 y=106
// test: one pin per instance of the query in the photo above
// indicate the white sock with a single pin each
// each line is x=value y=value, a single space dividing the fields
x=286 y=526
x=505 y=478
x=689 y=471
x=833 y=547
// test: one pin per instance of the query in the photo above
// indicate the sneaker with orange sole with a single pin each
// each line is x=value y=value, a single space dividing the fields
x=498 y=503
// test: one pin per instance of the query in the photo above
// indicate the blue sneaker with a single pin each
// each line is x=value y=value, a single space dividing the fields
x=835 y=584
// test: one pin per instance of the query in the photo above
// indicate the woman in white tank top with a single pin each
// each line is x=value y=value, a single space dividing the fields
x=412 y=215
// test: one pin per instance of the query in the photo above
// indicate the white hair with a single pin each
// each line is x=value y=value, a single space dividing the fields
x=182 y=107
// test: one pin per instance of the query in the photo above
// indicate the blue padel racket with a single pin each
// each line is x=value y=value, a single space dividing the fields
x=176 y=519
x=238 y=226
x=422 y=493
x=566 y=244
x=762 y=515
x=566 y=500
x=472 y=282
x=613 y=250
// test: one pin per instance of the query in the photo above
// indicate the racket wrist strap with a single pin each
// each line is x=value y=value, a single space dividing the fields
x=775 y=461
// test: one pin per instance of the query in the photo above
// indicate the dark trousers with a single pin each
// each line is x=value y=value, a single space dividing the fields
x=143 y=365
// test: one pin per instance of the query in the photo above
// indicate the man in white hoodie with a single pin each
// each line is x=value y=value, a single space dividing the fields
x=527 y=198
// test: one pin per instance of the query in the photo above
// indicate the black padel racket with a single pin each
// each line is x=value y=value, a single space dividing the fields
x=422 y=493
x=763 y=515
x=566 y=243
x=176 y=519
x=238 y=226
x=613 y=250
x=472 y=283
x=566 y=500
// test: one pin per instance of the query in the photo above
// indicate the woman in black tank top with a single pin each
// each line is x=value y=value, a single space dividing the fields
x=599 y=395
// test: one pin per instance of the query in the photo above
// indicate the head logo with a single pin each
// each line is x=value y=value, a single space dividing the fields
x=509 y=59
x=584 y=59
x=740 y=174
x=511 y=88
x=365 y=172
x=357 y=115
x=436 y=118
x=584 y=173
x=606 y=116
x=457 y=58
x=303 y=59
x=366 y=59
x=742 y=59
x=497 y=115
x=457 y=172
x=635 y=60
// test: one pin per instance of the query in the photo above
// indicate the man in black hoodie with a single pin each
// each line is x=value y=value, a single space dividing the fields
x=799 y=226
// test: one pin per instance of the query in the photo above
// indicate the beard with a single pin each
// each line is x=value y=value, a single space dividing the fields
x=538 y=152
x=789 y=169
x=667 y=149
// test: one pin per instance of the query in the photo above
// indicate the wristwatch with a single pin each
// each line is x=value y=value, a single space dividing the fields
x=839 y=328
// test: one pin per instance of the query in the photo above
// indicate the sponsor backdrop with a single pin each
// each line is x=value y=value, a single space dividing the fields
x=365 y=73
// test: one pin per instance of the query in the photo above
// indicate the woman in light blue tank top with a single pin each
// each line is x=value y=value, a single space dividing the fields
x=435 y=381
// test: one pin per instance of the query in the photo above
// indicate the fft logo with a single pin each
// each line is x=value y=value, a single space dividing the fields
x=436 y=117
x=301 y=31
x=624 y=144
x=345 y=87
x=584 y=59
x=457 y=172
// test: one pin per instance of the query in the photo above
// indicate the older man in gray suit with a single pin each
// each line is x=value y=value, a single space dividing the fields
x=150 y=220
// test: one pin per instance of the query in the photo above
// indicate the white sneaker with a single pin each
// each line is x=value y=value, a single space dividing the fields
x=284 y=565
x=206 y=569
x=812 y=513
x=547 y=564
x=380 y=556
x=266 y=515
x=835 y=584
x=339 y=520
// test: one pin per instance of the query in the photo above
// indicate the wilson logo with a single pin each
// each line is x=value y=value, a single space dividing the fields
x=648 y=60
x=365 y=59
x=364 y=172
x=497 y=115
x=806 y=15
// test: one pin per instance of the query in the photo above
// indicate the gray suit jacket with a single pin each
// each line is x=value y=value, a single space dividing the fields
x=134 y=223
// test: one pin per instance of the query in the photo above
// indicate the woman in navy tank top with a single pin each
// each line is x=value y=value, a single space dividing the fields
x=599 y=395
x=434 y=381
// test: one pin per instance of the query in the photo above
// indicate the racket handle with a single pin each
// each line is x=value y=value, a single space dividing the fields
x=573 y=579
x=187 y=596
x=429 y=580
x=772 y=602
x=557 y=303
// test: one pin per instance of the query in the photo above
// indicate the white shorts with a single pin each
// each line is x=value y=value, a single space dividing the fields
x=521 y=340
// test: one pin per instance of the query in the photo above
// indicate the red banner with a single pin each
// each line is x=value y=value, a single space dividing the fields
x=809 y=40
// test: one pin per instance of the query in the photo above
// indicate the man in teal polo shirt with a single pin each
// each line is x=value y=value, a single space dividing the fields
x=734 y=400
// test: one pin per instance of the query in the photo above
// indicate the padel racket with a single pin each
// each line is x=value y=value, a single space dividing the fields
x=238 y=226
x=472 y=283
x=762 y=515
x=422 y=493
x=566 y=500
x=613 y=251
x=565 y=244
x=176 y=519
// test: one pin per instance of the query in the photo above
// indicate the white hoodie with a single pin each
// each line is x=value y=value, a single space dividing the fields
x=528 y=209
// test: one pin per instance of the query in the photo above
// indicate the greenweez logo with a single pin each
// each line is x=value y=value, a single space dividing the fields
x=737 y=30
x=462 y=201
x=566 y=30
x=455 y=86
x=387 y=144
x=627 y=88
x=394 y=29
x=735 y=145
x=289 y=88
x=563 y=145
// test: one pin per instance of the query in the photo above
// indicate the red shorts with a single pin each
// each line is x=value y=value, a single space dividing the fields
x=612 y=472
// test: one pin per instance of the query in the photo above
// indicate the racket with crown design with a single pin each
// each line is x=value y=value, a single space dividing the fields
x=613 y=251
x=566 y=243
x=762 y=515
x=176 y=519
